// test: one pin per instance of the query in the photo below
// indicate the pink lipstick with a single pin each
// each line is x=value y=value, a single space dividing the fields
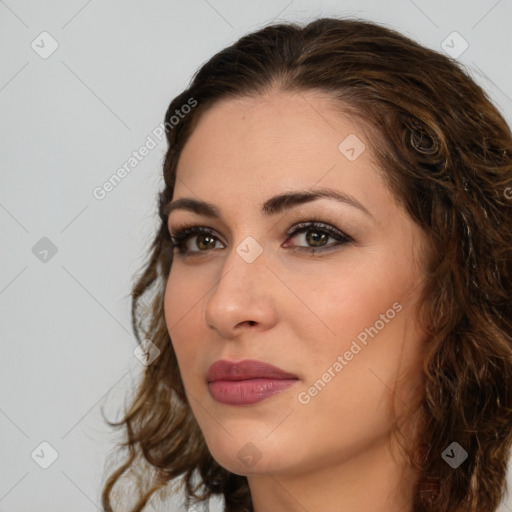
x=246 y=382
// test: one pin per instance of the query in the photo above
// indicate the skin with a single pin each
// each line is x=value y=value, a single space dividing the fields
x=295 y=310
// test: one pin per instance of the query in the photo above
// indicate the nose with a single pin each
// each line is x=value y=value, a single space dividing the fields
x=242 y=298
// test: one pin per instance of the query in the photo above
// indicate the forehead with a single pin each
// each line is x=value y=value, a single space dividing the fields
x=251 y=147
x=290 y=124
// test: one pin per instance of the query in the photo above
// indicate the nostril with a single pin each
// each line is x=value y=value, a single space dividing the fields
x=246 y=322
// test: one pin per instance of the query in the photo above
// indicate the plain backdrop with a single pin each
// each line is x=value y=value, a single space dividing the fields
x=82 y=85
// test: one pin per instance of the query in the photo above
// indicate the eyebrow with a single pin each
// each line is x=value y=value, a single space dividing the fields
x=272 y=206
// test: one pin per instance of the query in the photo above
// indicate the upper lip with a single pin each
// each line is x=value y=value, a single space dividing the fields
x=243 y=370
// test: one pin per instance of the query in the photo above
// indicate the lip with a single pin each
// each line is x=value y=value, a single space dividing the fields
x=246 y=382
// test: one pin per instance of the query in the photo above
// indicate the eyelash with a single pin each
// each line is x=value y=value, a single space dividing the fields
x=185 y=232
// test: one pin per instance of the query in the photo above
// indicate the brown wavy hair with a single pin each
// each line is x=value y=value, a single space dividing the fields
x=446 y=153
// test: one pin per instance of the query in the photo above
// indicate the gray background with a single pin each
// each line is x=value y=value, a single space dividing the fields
x=67 y=123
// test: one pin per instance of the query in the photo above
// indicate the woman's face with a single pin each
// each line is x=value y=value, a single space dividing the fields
x=339 y=321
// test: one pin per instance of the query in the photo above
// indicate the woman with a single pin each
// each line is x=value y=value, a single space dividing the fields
x=330 y=287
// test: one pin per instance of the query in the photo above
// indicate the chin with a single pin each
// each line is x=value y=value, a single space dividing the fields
x=248 y=454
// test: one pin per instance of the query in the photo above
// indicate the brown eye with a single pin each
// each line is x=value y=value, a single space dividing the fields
x=202 y=239
x=205 y=242
x=316 y=238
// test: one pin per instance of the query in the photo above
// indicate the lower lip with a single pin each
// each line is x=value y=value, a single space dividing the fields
x=246 y=392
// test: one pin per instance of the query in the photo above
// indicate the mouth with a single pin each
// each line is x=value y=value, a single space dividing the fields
x=246 y=382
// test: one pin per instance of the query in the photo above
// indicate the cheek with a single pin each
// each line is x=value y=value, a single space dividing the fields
x=347 y=297
x=353 y=399
x=184 y=291
x=182 y=297
x=366 y=316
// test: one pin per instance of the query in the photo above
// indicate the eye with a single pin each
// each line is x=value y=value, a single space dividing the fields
x=193 y=240
x=316 y=236
x=203 y=237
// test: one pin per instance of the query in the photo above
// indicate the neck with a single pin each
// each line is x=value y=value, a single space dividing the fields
x=373 y=481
